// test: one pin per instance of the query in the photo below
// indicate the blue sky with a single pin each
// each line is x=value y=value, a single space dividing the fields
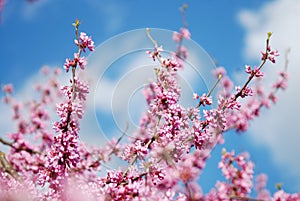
x=232 y=32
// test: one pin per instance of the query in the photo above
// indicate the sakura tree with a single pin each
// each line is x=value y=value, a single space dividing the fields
x=165 y=156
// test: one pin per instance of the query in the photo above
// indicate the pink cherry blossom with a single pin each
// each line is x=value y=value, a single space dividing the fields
x=185 y=33
x=176 y=36
x=8 y=88
x=219 y=71
x=162 y=160
x=204 y=100
x=85 y=42
x=195 y=96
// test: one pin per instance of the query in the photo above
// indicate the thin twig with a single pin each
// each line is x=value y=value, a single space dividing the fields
x=119 y=139
x=258 y=69
x=211 y=90
x=97 y=162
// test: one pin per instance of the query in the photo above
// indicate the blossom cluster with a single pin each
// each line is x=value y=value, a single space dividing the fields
x=64 y=154
x=166 y=155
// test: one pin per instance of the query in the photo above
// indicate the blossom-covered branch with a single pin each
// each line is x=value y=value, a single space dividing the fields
x=165 y=156
x=64 y=153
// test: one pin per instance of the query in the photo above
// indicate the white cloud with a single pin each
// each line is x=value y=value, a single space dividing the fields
x=278 y=128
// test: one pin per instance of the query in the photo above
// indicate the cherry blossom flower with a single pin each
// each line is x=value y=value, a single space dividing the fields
x=219 y=71
x=204 y=100
x=185 y=33
x=195 y=96
x=256 y=71
x=8 y=88
x=176 y=36
x=85 y=42
x=165 y=156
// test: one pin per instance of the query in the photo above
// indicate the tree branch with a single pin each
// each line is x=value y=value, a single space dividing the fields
x=5 y=166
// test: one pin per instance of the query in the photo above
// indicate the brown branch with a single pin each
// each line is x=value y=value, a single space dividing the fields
x=17 y=149
x=244 y=198
x=183 y=8
x=259 y=67
x=6 y=142
x=5 y=166
x=275 y=90
x=76 y=25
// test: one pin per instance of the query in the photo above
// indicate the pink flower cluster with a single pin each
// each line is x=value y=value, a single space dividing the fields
x=81 y=61
x=83 y=42
x=64 y=154
x=240 y=177
x=269 y=54
x=164 y=158
x=184 y=33
x=182 y=52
